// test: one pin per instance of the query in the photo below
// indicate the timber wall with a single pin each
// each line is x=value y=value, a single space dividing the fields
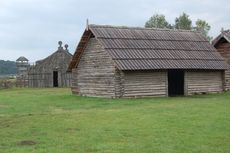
x=145 y=83
x=227 y=79
x=224 y=50
x=203 y=82
x=95 y=75
x=22 y=81
x=41 y=80
x=41 y=74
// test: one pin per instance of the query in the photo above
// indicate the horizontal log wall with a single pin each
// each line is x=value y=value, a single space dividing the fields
x=145 y=83
x=74 y=86
x=95 y=74
x=203 y=82
x=227 y=79
x=119 y=81
x=224 y=50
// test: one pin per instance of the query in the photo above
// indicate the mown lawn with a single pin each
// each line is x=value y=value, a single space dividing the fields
x=55 y=121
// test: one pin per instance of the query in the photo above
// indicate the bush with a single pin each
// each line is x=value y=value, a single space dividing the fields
x=6 y=84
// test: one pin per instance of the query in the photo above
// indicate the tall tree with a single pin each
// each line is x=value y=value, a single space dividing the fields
x=157 y=21
x=204 y=27
x=183 y=22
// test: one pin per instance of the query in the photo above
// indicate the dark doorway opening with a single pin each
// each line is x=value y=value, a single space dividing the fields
x=175 y=82
x=55 y=78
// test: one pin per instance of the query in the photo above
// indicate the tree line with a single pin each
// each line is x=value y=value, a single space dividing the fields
x=7 y=67
x=182 y=22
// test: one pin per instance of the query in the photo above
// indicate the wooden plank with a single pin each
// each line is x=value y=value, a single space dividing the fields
x=224 y=50
x=145 y=83
x=95 y=73
x=203 y=82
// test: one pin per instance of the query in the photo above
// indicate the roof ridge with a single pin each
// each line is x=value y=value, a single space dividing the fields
x=142 y=28
x=226 y=33
x=22 y=58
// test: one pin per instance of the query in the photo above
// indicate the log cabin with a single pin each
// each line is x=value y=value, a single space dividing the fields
x=118 y=61
x=51 y=71
x=222 y=44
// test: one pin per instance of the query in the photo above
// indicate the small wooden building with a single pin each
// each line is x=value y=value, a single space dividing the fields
x=133 y=62
x=51 y=71
x=222 y=44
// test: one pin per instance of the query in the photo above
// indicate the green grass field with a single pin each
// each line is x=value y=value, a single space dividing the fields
x=55 y=121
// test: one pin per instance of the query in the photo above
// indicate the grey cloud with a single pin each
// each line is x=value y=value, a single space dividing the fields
x=33 y=27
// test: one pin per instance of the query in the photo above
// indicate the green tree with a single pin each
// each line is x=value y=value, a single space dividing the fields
x=7 y=67
x=157 y=21
x=183 y=22
x=204 y=27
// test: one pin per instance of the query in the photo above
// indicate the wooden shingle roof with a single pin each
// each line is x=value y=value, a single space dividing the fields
x=147 y=49
x=224 y=34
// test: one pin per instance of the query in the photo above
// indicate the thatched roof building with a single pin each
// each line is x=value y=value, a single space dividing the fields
x=124 y=62
x=51 y=71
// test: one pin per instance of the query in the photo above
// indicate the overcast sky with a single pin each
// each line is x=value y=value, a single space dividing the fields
x=32 y=28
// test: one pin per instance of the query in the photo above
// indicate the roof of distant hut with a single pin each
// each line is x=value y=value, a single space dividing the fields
x=52 y=59
x=55 y=54
x=22 y=59
x=133 y=48
x=225 y=34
